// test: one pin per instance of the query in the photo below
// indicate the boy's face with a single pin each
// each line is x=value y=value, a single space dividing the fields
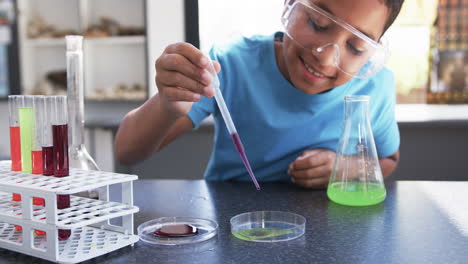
x=301 y=66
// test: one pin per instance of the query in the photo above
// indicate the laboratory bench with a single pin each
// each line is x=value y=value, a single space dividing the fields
x=419 y=222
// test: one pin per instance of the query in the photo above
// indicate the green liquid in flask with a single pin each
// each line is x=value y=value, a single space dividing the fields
x=356 y=193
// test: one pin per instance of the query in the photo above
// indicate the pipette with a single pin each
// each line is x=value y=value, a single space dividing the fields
x=229 y=124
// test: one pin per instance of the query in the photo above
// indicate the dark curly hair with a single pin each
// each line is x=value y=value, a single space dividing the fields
x=394 y=7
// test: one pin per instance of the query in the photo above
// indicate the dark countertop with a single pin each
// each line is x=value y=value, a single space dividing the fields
x=419 y=222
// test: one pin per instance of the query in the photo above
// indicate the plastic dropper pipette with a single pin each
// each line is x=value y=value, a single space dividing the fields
x=229 y=124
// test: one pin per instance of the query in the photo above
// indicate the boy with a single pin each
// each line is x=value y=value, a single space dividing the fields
x=285 y=93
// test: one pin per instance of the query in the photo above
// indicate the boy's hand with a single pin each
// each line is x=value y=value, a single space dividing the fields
x=182 y=77
x=313 y=168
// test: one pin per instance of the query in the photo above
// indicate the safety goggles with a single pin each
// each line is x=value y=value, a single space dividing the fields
x=313 y=28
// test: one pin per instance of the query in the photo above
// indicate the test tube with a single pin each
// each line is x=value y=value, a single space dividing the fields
x=47 y=147
x=14 y=101
x=38 y=108
x=47 y=141
x=60 y=143
x=26 y=118
x=15 y=142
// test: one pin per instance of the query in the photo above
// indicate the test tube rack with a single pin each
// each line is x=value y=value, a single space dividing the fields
x=92 y=233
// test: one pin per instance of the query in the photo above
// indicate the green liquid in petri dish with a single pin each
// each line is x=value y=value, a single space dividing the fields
x=26 y=121
x=356 y=193
x=260 y=233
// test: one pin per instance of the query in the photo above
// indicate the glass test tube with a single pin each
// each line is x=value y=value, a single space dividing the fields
x=60 y=143
x=14 y=101
x=38 y=108
x=60 y=136
x=47 y=139
x=26 y=121
x=15 y=142
x=47 y=147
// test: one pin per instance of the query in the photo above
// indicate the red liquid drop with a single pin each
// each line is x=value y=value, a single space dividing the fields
x=182 y=230
x=15 y=148
x=240 y=149
x=48 y=161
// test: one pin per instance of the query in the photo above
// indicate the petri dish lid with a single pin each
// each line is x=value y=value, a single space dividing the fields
x=206 y=230
x=267 y=226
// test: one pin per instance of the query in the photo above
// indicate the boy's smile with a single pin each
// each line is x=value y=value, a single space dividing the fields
x=314 y=72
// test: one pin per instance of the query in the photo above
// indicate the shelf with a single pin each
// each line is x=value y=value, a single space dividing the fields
x=60 y=42
x=45 y=42
x=84 y=243
x=77 y=181
x=82 y=211
x=116 y=40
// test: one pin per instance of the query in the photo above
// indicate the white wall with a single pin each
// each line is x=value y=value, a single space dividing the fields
x=165 y=20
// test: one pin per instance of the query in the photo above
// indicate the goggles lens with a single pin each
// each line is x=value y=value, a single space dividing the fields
x=315 y=29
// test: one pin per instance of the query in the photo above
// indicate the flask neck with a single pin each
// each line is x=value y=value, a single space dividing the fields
x=357 y=107
x=75 y=82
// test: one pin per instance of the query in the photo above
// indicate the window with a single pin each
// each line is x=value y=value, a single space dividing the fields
x=221 y=20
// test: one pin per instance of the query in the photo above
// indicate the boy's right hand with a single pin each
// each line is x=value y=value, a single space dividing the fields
x=182 y=77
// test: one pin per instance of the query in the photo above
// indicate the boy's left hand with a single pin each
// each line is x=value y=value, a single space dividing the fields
x=313 y=168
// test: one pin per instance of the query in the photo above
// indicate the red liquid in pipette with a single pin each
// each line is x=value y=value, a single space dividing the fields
x=240 y=149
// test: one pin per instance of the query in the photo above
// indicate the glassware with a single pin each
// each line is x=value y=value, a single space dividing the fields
x=60 y=139
x=14 y=102
x=37 y=165
x=26 y=121
x=38 y=110
x=15 y=143
x=47 y=138
x=78 y=155
x=356 y=178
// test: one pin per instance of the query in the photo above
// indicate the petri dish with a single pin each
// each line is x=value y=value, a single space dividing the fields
x=267 y=226
x=163 y=231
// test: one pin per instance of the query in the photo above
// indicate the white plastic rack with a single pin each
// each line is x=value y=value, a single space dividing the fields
x=92 y=234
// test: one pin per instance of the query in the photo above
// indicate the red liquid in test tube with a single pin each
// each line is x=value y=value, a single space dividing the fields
x=60 y=149
x=15 y=148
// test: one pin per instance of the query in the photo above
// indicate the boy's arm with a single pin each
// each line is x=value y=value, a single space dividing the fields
x=389 y=164
x=313 y=168
x=147 y=129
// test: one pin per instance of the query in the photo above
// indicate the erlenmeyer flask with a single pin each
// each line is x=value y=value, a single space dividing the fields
x=356 y=178
x=78 y=155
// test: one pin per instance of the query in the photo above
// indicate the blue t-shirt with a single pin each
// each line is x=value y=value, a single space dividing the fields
x=277 y=122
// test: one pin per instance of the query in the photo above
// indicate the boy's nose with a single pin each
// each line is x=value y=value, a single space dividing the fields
x=328 y=54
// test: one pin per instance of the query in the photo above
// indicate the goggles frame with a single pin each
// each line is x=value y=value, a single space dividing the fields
x=380 y=47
